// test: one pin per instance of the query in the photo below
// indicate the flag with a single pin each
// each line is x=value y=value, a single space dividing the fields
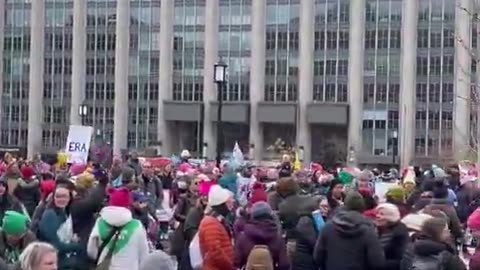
x=237 y=154
x=297 y=165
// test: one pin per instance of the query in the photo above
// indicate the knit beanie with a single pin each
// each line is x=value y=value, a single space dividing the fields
x=258 y=193
x=395 y=194
x=77 y=169
x=474 y=220
x=27 y=172
x=84 y=181
x=345 y=178
x=218 y=195
x=260 y=209
x=389 y=211
x=415 y=222
x=354 y=202
x=119 y=198
x=14 y=223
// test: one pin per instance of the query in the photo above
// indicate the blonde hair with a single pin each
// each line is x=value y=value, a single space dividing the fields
x=33 y=254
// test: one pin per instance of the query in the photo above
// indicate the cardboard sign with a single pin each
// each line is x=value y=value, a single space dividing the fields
x=78 y=144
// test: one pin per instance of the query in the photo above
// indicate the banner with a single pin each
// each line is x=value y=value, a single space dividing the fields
x=78 y=144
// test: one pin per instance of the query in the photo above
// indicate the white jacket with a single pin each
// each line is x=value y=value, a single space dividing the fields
x=129 y=257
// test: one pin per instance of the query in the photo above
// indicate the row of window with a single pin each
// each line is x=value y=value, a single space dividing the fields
x=440 y=39
x=381 y=92
x=383 y=39
x=17 y=43
x=58 y=66
x=333 y=40
x=54 y=138
x=282 y=40
x=434 y=92
x=435 y=65
x=330 y=67
x=16 y=89
x=54 y=115
x=143 y=115
x=14 y=137
x=330 y=92
x=15 y=113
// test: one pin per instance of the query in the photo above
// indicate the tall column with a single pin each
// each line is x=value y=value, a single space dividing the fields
x=2 y=29
x=355 y=75
x=35 y=112
x=407 y=107
x=257 y=76
x=210 y=88
x=78 y=60
x=307 y=31
x=463 y=59
x=167 y=10
x=122 y=42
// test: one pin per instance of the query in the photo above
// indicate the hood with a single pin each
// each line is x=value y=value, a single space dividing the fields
x=427 y=247
x=28 y=184
x=116 y=216
x=350 y=223
x=261 y=232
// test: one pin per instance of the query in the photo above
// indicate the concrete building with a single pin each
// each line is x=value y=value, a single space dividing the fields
x=314 y=74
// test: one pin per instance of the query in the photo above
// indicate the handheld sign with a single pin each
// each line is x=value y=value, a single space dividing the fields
x=78 y=143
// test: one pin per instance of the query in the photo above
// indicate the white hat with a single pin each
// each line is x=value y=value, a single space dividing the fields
x=185 y=153
x=415 y=221
x=218 y=195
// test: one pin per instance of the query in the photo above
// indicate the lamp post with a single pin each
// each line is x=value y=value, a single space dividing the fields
x=220 y=78
x=83 y=112
x=394 y=146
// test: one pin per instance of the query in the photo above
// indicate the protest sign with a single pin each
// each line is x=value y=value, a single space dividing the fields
x=78 y=143
x=381 y=189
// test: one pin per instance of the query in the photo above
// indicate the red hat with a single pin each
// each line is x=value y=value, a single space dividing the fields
x=27 y=172
x=474 y=220
x=258 y=193
x=120 y=198
x=47 y=187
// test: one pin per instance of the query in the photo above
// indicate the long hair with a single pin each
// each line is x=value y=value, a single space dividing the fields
x=32 y=255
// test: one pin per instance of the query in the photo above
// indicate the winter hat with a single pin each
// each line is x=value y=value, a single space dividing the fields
x=415 y=221
x=260 y=209
x=467 y=179
x=409 y=178
x=158 y=260
x=47 y=187
x=390 y=211
x=258 y=193
x=218 y=195
x=354 y=202
x=345 y=178
x=395 y=194
x=27 y=172
x=84 y=181
x=474 y=220
x=128 y=175
x=14 y=223
x=139 y=197
x=77 y=169
x=185 y=154
x=120 y=198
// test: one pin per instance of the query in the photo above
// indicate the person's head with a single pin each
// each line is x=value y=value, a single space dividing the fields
x=387 y=214
x=395 y=195
x=260 y=211
x=414 y=221
x=7 y=157
x=220 y=200
x=39 y=256
x=84 y=182
x=286 y=186
x=354 y=202
x=285 y=158
x=62 y=196
x=14 y=226
x=134 y=156
x=128 y=175
x=147 y=171
x=120 y=197
x=367 y=194
x=167 y=169
x=440 y=189
x=336 y=189
x=27 y=172
x=3 y=186
x=436 y=229
x=323 y=206
x=473 y=223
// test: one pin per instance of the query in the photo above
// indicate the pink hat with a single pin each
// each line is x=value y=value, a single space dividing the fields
x=120 y=198
x=204 y=188
x=474 y=220
x=77 y=169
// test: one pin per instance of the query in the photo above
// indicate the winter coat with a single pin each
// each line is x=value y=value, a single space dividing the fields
x=166 y=180
x=190 y=228
x=158 y=260
x=306 y=236
x=261 y=232
x=474 y=263
x=152 y=187
x=394 y=240
x=215 y=244
x=130 y=250
x=10 y=253
x=289 y=212
x=186 y=201
x=50 y=223
x=8 y=202
x=423 y=246
x=84 y=208
x=274 y=199
x=464 y=207
x=349 y=241
x=453 y=221
x=28 y=193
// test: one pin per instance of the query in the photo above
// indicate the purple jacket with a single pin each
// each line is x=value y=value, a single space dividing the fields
x=264 y=232
x=474 y=263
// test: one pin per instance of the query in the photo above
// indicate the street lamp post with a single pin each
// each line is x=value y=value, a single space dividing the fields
x=394 y=146
x=83 y=111
x=220 y=78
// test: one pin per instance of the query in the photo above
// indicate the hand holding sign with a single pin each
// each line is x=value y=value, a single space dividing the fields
x=78 y=143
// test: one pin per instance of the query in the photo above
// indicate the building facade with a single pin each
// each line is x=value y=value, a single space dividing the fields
x=389 y=84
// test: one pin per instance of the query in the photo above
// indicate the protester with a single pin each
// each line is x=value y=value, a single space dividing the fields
x=349 y=240
x=465 y=198
x=14 y=236
x=286 y=168
x=39 y=256
x=126 y=239
x=474 y=226
x=7 y=201
x=215 y=235
x=157 y=260
x=335 y=194
x=28 y=190
x=396 y=196
x=414 y=223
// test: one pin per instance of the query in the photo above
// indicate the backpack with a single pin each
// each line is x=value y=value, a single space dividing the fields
x=259 y=258
x=433 y=262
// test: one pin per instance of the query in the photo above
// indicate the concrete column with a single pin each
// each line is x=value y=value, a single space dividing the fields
x=164 y=130
x=35 y=110
x=2 y=29
x=463 y=60
x=307 y=31
x=79 y=60
x=257 y=75
x=408 y=75
x=120 y=125
x=355 y=74
x=210 y=88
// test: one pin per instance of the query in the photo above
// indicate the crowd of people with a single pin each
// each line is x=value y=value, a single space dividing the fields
x=185 y=216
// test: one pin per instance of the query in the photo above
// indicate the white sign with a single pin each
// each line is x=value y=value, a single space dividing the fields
x=78 y=143
x=381 y=189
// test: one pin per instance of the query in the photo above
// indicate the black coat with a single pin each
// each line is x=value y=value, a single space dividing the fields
x=349 y=242
x=305 y=245
x=289 y=212
x=394 y=240
x=28 y=194
x=428 y=247
x=8 y=202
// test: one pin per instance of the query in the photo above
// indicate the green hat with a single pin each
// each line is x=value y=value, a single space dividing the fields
x=345 y=178
x=14 y=223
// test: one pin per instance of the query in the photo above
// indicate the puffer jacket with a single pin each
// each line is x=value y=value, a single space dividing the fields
x=215 y=244
x=305 y=245
x=261 y=232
